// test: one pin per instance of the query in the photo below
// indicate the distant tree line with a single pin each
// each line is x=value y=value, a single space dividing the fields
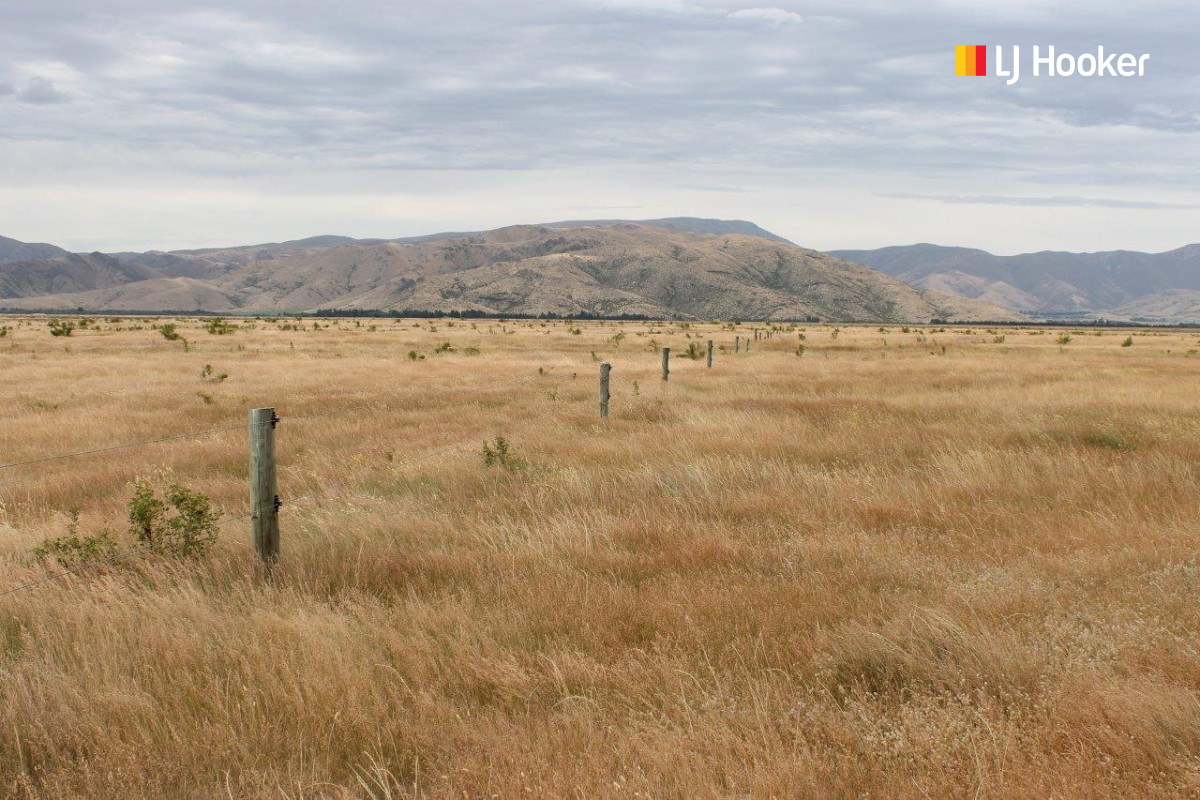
x=411 y=313
x=422 y=313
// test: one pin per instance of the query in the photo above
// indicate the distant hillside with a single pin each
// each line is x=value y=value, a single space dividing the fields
x=606 y=268
x=12 y=250
x=687 y=224
x=1122 y=284
x=68 y=272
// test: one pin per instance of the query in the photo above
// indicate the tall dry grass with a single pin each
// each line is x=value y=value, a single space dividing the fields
x=923 y=563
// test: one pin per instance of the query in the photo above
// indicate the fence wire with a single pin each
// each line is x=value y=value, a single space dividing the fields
x=127 y=552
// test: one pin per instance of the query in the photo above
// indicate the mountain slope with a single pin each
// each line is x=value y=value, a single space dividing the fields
x=1054 y=283
x=685 y=224
x=12 y=250
x=66 y=273
x=610 y=268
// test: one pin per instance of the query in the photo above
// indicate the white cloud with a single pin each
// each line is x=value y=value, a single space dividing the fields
x=774 y=16
x=40 y=91
x=355 y=119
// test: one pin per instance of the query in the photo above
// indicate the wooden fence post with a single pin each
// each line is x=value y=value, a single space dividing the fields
x=264 y=492
x=710 y=353
x=666 y=367
x=737 y=344
x=605 y=368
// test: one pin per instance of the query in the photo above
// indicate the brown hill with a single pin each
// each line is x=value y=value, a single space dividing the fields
x=65 y=273
x=606 y=269
x=1152 y=287
x=12 y=250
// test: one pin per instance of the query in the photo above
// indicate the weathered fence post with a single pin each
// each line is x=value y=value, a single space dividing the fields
x=605 y=368
x=666 y=367
x=264 y=492
x=737 y=344
x=710 y=353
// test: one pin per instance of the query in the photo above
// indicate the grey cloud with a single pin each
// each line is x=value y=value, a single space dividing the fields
x=860 y=93
x=708 y=187
x=40 y=92
x=1042 y=202
x=773 y=16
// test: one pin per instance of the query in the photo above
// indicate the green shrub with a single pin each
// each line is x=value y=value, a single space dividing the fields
x=1063 y=338
x=60 y=327
x=72 y=550
x=169 y=333
x=171 y=519
x=498 y=454
x=1128 y=342
x=219 y=327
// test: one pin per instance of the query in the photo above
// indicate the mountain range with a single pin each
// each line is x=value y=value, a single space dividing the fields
x=683 y=268
x=1119 y=285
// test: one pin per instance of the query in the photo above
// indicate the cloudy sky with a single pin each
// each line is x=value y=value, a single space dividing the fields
x=159 y=124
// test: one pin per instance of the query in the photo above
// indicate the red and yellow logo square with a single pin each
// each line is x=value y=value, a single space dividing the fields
x=971 y=60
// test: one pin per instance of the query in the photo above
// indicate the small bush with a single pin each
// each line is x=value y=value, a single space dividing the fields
x=1063 y=338
x=219 y=327
x=169 y=332
x=694 y=351
x=1106 y=440
x=73 y=550
x=61 y=327
x=498 y=454
x=171 y=519
x=444 y=347
x=1128 y=342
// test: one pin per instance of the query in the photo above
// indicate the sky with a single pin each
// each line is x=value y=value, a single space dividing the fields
x=152 y=124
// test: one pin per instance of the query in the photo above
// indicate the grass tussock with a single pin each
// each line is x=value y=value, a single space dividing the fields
x=889 y=568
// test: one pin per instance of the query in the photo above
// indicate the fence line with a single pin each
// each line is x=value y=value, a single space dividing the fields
x=120 y=555
x=110 y=448
x=271 y=506
x=222 y=429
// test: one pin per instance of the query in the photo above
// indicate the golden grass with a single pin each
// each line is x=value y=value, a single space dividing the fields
x=923 y=563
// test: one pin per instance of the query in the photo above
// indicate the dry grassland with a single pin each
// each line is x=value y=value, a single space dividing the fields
x=906 y=564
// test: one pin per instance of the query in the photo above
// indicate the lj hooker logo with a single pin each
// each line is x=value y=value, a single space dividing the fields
x=971 y=61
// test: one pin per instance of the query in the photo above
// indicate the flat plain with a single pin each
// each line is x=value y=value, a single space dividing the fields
x=855 y=561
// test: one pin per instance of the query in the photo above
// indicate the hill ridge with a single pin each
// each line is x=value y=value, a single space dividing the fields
x=602 y=268
x=1117 y=284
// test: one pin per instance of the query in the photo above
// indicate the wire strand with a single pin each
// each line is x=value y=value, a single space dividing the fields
x=110 y=448
x=117 y=556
